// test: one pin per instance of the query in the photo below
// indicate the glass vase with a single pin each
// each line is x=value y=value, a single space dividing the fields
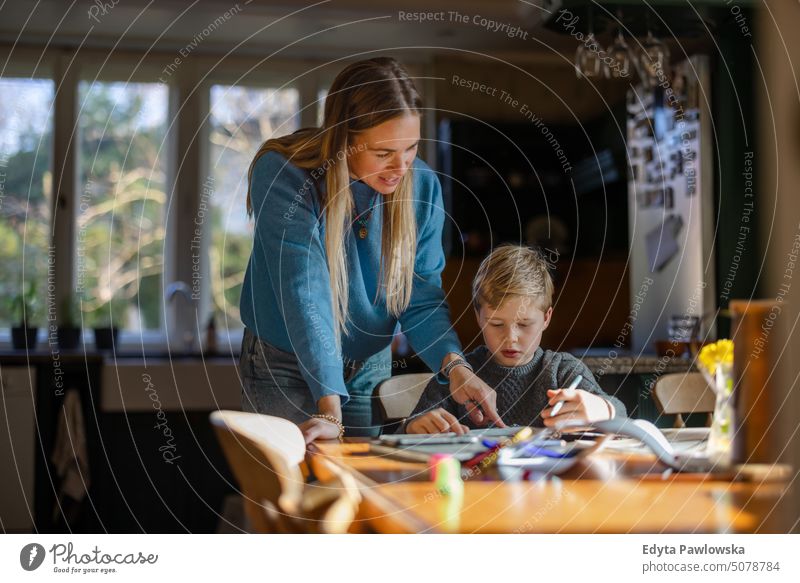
x=721 y=435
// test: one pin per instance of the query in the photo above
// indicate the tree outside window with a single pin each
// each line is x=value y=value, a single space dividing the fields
x=120 y=210
x=25 y=193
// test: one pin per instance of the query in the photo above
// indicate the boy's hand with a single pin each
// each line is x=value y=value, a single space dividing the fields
x=579 y=405
x=436 y=421
x=478 y=397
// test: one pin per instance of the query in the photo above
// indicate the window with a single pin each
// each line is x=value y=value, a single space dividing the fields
x=240 y=120
x=124 y=173
x=321 y=95
x=25 y=194
x=120 y=210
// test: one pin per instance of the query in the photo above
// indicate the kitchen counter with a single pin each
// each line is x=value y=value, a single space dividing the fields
x=648 y=364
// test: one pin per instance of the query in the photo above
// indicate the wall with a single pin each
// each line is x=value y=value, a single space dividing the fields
x=590 y=305
x=547 y=84
x=778 y=176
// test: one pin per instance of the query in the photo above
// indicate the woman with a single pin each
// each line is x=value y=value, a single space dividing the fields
x=348 y=244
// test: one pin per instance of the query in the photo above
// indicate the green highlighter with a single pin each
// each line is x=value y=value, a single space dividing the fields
x=447 y=476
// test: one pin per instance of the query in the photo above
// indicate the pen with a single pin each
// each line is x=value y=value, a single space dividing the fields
x=534 y=451
x=494 y=446
x=573 y=385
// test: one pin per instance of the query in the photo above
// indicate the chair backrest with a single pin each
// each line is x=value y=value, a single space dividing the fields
x=399 y=395
x=676 y=394
x=265 y=454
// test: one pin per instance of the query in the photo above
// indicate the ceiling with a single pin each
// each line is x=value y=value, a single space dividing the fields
x=295 y=28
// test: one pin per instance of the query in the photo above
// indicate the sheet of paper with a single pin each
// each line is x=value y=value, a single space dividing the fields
x=662 y=243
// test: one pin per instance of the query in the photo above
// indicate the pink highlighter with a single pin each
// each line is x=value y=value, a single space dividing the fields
x=432 y=463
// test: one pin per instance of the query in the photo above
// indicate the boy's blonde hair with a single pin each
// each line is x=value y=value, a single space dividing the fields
x=511 y=271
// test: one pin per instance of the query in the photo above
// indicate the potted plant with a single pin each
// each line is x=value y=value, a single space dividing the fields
x=69 y=335
x=105 y=336
x=24 y=336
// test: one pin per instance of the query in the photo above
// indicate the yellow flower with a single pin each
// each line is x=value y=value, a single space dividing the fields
x=719 y=352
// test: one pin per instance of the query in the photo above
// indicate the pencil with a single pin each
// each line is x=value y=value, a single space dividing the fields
x=573 y=385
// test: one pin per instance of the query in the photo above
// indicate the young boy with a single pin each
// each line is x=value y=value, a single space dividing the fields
x=512 y=296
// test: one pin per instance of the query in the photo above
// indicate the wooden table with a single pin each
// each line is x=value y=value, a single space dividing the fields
x=609 y=493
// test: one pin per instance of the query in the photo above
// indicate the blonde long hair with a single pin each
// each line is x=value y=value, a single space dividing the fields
x=363 y=95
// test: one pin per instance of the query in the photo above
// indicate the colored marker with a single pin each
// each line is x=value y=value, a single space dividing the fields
x=448 y=476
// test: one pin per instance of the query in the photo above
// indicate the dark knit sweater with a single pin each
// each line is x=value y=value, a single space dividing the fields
x=521 y=390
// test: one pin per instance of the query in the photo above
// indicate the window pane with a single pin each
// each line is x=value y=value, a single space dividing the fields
x=241 y=119
x=321 y=95
x=26 y=133
x=121 y=204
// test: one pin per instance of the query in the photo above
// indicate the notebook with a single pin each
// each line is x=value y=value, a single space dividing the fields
x=419 y=447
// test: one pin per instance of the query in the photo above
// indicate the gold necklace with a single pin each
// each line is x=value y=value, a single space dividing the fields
x=364 y=217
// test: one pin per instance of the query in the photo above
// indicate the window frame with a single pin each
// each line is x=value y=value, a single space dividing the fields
x=189 y=87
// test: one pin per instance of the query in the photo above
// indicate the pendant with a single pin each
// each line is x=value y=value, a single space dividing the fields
x=362 y=233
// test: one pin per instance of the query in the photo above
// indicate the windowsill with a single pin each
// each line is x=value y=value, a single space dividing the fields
x=136 y=344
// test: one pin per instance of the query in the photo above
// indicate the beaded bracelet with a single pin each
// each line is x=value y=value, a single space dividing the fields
x=333 y=420
x=454 y=363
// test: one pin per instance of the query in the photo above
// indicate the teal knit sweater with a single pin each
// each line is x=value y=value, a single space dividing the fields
x=286 y=298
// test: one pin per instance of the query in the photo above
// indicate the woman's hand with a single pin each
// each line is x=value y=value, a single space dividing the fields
x=579 y=405
x=478 y=397
x=436 y=421
x=317 y=428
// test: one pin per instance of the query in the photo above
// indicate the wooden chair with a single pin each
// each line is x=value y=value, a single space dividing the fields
x=676 y=394
x=267 y=456
x=399 y=395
